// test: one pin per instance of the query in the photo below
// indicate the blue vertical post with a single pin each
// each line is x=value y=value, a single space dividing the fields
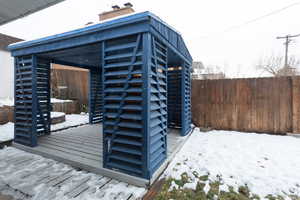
x=186 y=98
x=90 y=97
x=146 y=103
x=25 y=130
x=34 y=102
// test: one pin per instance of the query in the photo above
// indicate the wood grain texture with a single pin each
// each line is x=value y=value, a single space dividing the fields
x=270 y=105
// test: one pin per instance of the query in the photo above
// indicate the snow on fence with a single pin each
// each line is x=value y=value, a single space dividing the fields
x=269 y=105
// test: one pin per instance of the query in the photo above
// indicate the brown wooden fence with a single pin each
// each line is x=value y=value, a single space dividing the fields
x=269 y=105
x=70 y=83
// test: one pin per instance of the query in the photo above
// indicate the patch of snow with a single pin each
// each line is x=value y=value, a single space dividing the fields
x=173 y=186
x=54 y=100
x=6 y=132
x=206 y=187
x=6 y=102
x=192 y=185
x=72 y=120
x=267 y=164
x=57 y=114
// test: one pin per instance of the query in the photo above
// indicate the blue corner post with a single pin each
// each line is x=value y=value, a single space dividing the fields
x=25 y=101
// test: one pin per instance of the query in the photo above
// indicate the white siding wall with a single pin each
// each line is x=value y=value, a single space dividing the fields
x=6 y=75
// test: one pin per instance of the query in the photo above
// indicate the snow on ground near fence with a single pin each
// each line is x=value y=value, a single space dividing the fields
x=10 y=101
x=7 y=130
x=267 y=164
x=24 y=174
x=6 y=102
x=54 y=100
x=72 y=120
x=57 y=114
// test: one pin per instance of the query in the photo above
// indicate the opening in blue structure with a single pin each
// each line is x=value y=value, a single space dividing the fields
x=140 y=86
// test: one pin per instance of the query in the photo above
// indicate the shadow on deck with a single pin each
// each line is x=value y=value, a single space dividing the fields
x=81 y=148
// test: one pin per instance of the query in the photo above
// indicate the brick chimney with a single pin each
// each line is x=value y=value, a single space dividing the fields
x=117 y=11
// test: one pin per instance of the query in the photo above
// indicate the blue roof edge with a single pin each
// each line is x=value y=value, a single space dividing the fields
x=138 y=17
x=80 y=31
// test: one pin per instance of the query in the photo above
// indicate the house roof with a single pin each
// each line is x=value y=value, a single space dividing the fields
x=6 y=40
x=15 y=9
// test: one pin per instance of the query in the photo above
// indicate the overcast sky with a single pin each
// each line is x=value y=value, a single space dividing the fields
x=215 y=31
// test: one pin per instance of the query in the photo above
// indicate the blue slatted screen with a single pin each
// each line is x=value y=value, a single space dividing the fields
x=186 y=99
x=158 y=105
x=96 y=96
x=32 y=99
x=122 y=116
x=174 y=97
x=42 y=93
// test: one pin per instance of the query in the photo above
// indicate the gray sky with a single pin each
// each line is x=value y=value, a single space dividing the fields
x=202 y=24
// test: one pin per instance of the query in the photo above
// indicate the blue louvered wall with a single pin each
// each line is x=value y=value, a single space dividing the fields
x=122 y=117
x=186 y=99
x=174 y=97
x=32 y=99
x=95 y=96
x=158 y=105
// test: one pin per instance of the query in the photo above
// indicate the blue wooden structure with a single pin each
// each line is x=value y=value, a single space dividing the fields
x=139 y=86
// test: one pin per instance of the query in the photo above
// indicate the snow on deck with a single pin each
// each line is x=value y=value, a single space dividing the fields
x=28 y=176
x=267 y=164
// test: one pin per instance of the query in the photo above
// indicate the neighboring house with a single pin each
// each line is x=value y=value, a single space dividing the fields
x=287 y=71
x=201 y=72
x=6 y=66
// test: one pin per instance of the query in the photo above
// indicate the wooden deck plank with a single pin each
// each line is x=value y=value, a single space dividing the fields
x=61 y=179
x=91 y=151
x=72 y=138
x=78 y=184
x=88 y=137
x=60 y=150
x=75 y=141
x=97 y=149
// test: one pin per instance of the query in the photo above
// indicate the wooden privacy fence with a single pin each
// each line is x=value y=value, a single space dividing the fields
x=270 y=105
x=70 y=83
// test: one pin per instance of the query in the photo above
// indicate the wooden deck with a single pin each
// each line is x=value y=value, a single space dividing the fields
x=26 y=176
x=81 y=147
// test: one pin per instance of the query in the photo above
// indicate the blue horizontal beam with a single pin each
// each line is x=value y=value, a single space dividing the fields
x=83 y=39
x=83 y=31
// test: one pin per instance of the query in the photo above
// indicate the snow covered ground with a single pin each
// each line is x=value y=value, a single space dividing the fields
x=31 y=177
x=10 y=101
x=54 y=100
x=7 y=130
x=267 y=164
x=72 y=120
x=57 y=114
x=6 y=102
